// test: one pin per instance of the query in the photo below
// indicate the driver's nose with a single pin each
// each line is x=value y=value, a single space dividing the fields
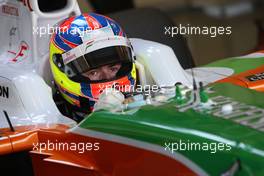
x=107 y=76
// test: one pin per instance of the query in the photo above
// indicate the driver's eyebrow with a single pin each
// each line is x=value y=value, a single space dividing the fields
x=94 y=69
x=109 y=65
x=114 y=64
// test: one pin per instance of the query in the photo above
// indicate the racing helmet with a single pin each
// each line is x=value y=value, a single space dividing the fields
x=81 y=43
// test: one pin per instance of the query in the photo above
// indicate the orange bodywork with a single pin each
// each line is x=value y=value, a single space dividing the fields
x=23 y=137
x=252 y=79
x=112 y=158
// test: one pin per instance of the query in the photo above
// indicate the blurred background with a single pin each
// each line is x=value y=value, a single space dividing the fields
x=246 y=17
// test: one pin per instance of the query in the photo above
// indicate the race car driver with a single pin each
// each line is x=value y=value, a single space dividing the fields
x=89 y=53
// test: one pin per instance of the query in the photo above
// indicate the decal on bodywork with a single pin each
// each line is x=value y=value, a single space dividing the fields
x=4 y=91
x=21 y=54
x=10 y=10
x=256 y=77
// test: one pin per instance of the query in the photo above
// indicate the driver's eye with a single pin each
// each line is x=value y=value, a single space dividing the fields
x=93 y=73
x=114 y=68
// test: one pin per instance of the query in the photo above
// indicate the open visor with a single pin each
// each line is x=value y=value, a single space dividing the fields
x=98 y=58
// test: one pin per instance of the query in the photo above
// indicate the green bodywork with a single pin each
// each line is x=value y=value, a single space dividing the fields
x=238 y=64
x=165 y=124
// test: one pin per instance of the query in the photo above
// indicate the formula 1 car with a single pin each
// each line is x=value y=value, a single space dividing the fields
x=216 y=128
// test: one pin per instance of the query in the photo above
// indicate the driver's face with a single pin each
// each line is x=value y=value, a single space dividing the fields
x=105 y=72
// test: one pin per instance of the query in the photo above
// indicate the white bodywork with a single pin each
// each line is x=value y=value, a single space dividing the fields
x=24 y=52
x=161 y=66
x=25 y=78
